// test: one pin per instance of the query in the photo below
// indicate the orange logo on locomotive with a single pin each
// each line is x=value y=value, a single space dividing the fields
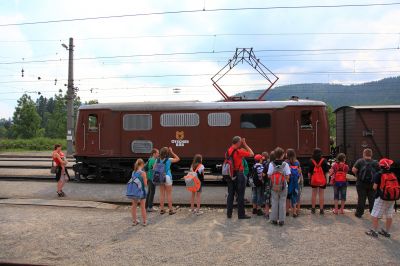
x=180 y=135
x=179 y=141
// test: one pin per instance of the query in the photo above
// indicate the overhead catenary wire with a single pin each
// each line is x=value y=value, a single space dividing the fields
x=199 y=11
x=202 y=52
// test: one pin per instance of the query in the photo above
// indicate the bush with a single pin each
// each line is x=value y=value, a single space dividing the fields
x=35 y=144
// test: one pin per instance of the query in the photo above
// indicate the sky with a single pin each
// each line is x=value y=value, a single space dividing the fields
x=173 y=56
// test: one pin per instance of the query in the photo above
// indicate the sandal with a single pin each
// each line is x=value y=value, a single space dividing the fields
x=144 y=224
x=60 y=194
x=162 y=212
x=384 y=233
x=134 y=223
x=172 y=212
x=335 y=212
x=372 y=233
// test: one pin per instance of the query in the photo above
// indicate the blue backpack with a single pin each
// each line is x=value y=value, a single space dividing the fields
x=134 y=188
x=159 y=172
x=293 y=187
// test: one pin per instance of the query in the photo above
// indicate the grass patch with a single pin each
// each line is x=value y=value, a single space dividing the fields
x=36 y=144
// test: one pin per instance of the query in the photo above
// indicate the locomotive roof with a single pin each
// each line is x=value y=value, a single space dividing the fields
x=196 y=105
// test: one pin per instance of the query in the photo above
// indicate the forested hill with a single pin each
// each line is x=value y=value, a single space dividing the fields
x=385 y=91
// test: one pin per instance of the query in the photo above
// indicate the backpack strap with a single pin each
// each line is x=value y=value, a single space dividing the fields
x=320 y=162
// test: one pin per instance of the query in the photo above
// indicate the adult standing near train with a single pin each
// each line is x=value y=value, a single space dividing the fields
x=61 y=171
x=238 y=183
x=166 y=189
x=365 y=170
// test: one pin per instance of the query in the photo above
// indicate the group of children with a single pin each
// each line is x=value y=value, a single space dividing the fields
x=156 y=172
x=277 y=182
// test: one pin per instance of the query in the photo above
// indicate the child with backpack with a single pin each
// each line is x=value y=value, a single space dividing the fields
x=267 y=182
x=150 y=185
x=294 y=180
x=278 y=172
x=137 y=192
x=198 y=169
x=338 y=173
x=317 y=173
x=387 y=189
x=257 y=185
x=162 y=176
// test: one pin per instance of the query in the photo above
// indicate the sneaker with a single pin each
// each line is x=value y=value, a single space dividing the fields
x=254 y=211
x=372 y=233
x=192 y=211
x=199 y=212
x=260 y=212
x=384 y=233
x=281 y=223
x=149 y=210
x=335 y=211
x=274 y=222
x=266 y=216
x=358 y=215
x=321 y=211
x=313 y=210
x=244 y=217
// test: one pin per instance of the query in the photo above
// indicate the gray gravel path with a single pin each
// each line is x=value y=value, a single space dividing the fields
x=71 y=236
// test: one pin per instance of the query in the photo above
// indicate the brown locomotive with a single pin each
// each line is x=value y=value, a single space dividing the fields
x=109 y=137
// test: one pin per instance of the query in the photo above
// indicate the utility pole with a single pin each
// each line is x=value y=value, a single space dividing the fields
x=70 y=99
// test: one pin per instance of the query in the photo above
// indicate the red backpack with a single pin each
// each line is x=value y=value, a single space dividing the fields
x=318 y=178
x=278 y=180
x=390 y=188
x=228 y=167
x=340 y=175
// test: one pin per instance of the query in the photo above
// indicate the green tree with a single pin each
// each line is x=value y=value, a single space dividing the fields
x=5 y=125
x=332 y=121
x=56 y=126
x=95 y=101
x=26 y=119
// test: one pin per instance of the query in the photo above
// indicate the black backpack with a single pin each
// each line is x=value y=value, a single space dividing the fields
x=367 y=172
x=256 y=175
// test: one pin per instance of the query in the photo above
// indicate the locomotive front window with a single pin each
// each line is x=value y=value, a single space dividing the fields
x=306 y=119
x=93 y=122
x=255 y=121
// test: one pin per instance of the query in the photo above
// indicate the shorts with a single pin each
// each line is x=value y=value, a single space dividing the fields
x=339 y=193
x=58 y=173
x=168 y=180
x=321 y=187
x=383 y=207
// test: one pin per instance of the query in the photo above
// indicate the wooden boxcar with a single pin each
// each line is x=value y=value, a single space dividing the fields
x=109 y=137
x=375 y=127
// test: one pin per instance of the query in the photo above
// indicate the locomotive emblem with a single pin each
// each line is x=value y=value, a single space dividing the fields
x=180 y=135
x=179 y=141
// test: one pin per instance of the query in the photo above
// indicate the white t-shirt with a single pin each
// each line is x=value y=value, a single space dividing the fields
x=286 y=169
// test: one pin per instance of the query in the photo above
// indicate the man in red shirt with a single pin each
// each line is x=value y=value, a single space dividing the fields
x=238 y=183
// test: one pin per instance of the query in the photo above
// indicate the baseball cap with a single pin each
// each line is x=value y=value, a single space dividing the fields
x=258 y=157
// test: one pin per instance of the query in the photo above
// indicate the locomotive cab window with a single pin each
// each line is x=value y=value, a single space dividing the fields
x=306 y=119
x=255 y=120
x=134 y=122
x=93 y=123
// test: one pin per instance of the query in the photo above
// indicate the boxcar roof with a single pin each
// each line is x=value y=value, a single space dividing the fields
x=361 y=107
x=196 y=105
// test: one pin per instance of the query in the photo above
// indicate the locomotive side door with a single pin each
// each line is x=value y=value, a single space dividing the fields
x=307 y=128
x=92 y=133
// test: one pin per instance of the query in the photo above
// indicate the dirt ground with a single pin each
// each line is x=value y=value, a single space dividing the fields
x=81 y=236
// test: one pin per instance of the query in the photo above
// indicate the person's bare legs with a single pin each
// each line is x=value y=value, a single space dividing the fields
x=192 y=201
x=321 y=198
x=198 y=200
x=288 y=206
x=388 y=224
x=168 y=190
x=162 y=197
x=342 y=206
x=143 y=210
x=313 y=197
x=336 y=207
x=133 y=210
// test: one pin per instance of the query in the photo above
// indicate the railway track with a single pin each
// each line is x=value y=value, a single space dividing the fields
x=37 y=168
